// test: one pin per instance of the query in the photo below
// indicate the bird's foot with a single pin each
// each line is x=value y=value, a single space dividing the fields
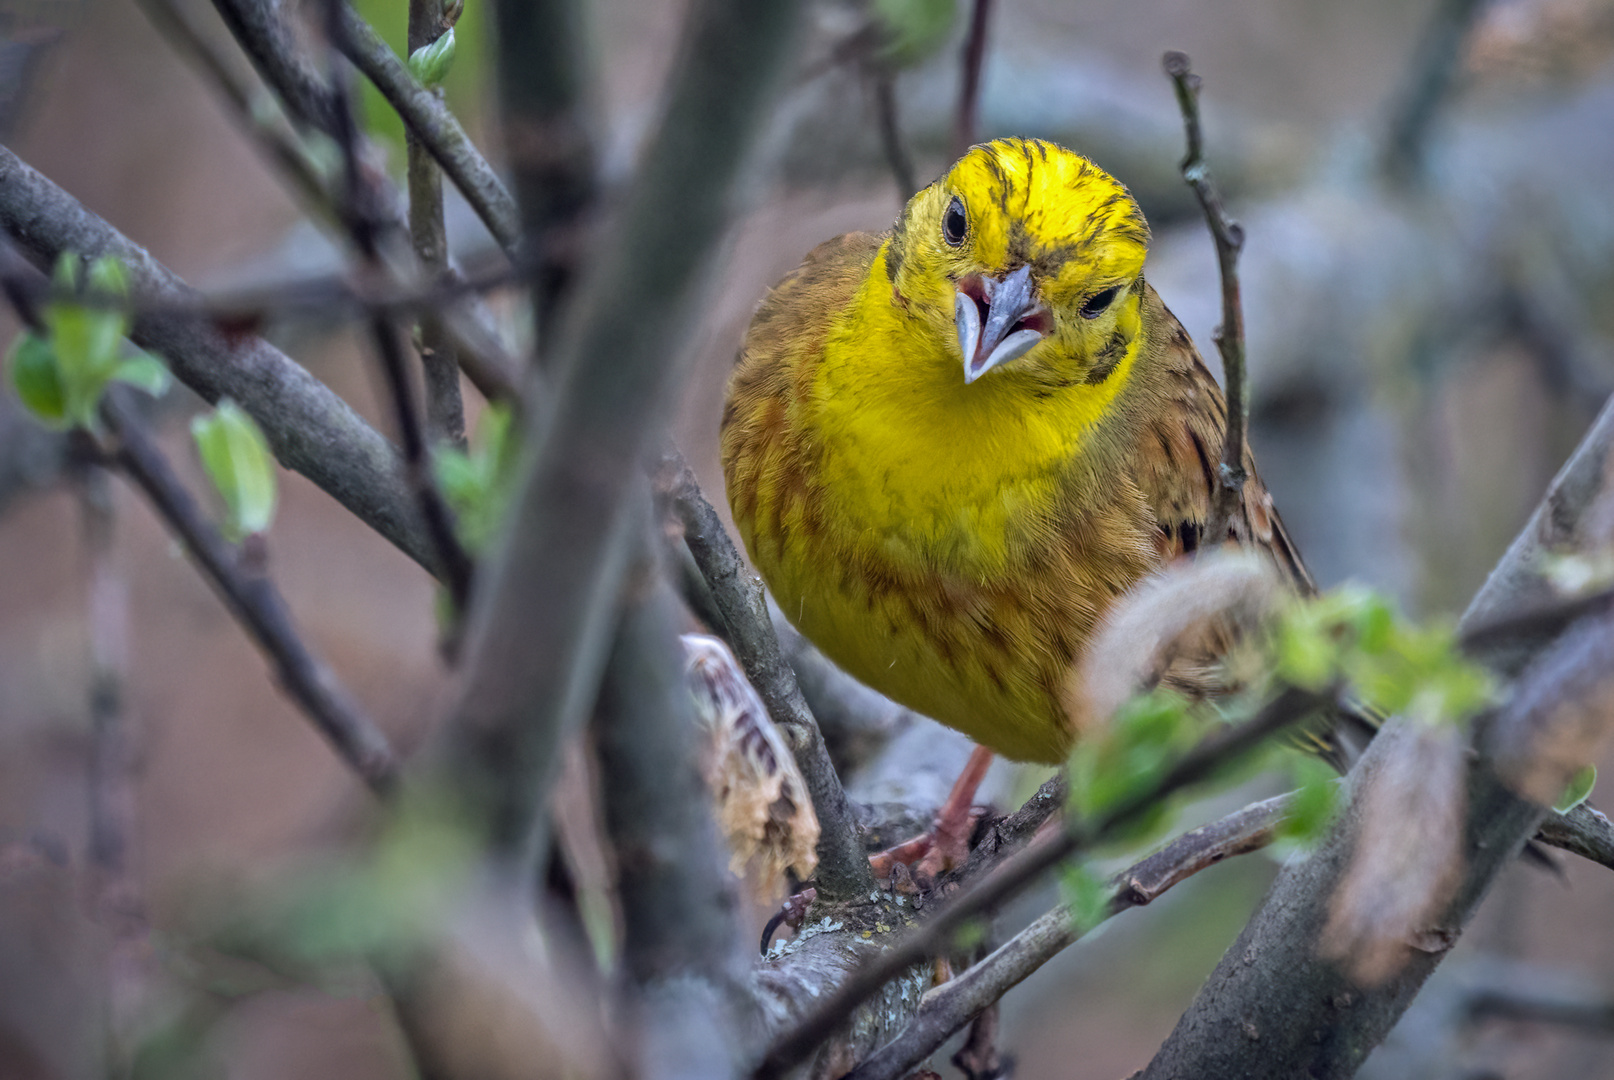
x=917 y=863
x=790 y=913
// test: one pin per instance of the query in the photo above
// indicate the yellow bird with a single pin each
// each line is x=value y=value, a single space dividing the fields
x=949 y=448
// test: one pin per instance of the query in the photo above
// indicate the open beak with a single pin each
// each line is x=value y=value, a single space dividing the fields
x=998 y=320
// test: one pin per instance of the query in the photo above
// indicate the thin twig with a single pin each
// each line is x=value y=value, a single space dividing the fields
x=1014 y=874
x=454 y=565
x=967 y=116
x=430 y=122
x=1229 y=239
x=445 y=412
x=255 y=602
x=482 y=354
x=843 y=869
x=119 y=903
x=1583 y=831
x=896 y=154
x=1431 y=76
x=948 y=1008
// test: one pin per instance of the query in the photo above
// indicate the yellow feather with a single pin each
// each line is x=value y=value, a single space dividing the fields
x=953 y=543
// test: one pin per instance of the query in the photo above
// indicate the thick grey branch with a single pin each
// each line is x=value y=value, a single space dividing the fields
x=544 y=603
x=678 y=911
x=310 y=429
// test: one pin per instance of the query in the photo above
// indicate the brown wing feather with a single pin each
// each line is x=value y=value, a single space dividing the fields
x=1178 y=450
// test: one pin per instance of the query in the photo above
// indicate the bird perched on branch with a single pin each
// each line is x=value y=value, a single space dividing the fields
x=950 y=448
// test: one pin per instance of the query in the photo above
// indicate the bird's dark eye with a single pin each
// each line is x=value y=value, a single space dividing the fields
x=954 y=223
x=1098 y=302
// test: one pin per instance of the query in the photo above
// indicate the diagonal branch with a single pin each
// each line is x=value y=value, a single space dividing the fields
x=541 y=619
x=255 y=602
x=433 y=127
x=949 y=1007
x=310 y=429
x=1013 y=875
x=843 y=869
x=1229 y=239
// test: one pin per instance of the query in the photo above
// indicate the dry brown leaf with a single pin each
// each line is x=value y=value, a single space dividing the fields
x=762 y=803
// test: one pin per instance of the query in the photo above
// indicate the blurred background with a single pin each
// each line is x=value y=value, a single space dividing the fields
x=1425 y=351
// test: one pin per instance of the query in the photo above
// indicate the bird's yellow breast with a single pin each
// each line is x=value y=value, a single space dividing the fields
x=941 y=542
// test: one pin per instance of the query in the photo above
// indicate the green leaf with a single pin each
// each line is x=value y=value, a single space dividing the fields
x=1087 y=895
x=1578 y=791
x=237 y=459
x=1316 y=798
x=911 y=31
x=429 y=64
x=1144 y=738
x=145 y=372
x=474 y=482
x=37 y=379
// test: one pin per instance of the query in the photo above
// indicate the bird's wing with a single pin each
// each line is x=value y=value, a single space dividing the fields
x=1179 y=448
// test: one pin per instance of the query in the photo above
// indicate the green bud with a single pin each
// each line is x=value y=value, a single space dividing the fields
x=429 y=64
x=237 y=459
x=1578 y=791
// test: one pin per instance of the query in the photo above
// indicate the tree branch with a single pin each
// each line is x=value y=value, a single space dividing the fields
x=1009 y=878
x=445 y=412
x=1432 y=74
x=1229 y=239
x=896 y=154
x=680 y=945
x=549 y=142
x=255 y=603
x=843 y=868
x=966 y=117
x=1290 y=994
x=310 y=429
x=481 y=353
x=946 y=1009
x=541 y=620
x=431 y=124
x=453 y=564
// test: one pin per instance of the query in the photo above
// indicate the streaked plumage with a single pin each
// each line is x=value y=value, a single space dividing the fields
x=950 y=529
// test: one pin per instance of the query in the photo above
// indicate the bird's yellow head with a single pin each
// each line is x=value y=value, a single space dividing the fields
x=1028 y=255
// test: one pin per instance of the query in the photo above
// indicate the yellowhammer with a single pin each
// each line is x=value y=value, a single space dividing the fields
x=951 y=447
